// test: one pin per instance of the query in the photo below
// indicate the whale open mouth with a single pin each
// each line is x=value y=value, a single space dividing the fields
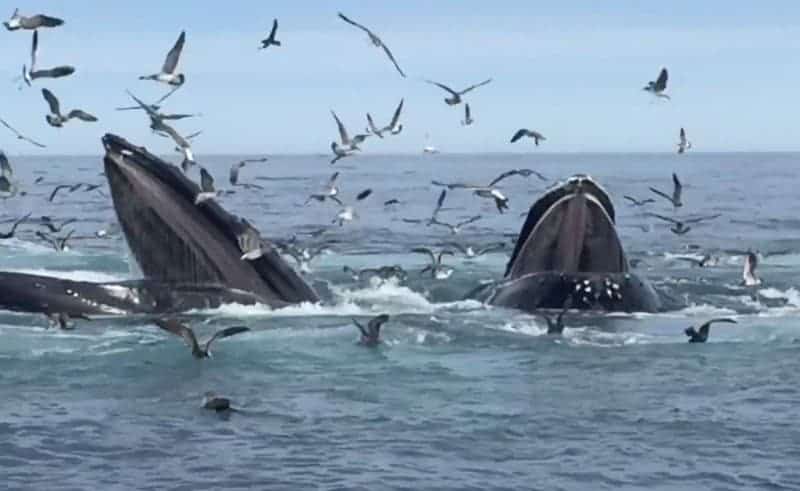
x=571 y=229
x=174 y=240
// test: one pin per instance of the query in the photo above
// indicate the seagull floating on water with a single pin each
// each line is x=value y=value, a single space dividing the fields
x=658 y=86
x=199 y=351
x=456 y=227
x=17 y=223
x=376 y=41
x=56 y=119
x=213 y=402
x=455 y=97
x=701 y=335
x=270 y=40
x=371 y=334
x=167 y=74
x=394 y=127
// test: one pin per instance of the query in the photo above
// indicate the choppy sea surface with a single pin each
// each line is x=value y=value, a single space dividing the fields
x=459 y=396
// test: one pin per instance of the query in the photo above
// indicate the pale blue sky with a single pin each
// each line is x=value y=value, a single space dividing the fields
x=573 y=70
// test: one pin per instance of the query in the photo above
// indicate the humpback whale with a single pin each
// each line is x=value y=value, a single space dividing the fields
x=569 y=249
x=190 y=255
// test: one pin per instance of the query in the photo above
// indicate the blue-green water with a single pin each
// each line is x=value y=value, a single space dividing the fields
x=459 y=396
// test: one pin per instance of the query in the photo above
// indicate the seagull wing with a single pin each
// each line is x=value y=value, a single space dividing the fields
x=519 y=134
x=82 y=115
x=52 y=101
x=439 y=202
x=391 y=57
x=397 y=112
x=56 y=190
x=683 y=137
x=360 y=326
x=343 y=136
x=37 y=21
x=174 y=55
x=176 y=327
x=5 y=166
x=425 y=250
x=702 y=219
x=374 y=325
x=442 y=86
x=662 y=194
x=467 y=112
x=363 y=194
x=661 y=82
x=504 y=175
x=662 y=217
x=354 y=23
x=706 y=326
x=469 y=220
x=206 y=181
x=332 y=180
x=167 y=95
x=34 y=50
x=473 y=87
x=146 y=107
x=224 y=333
x=274 y=29
x=443 y=253
x=677 y=187
x=461 y=248
x=374 y=129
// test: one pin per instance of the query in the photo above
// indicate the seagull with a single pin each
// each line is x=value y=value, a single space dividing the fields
x=271 y=41
x=677 y=191
x=251 y=244
x=438 y=270
x=56 y=119
x=347 y=146
x=683 y=144
x=471 y=252
x=18 y=21
x=156 y=106
x=436 y=210
x=10 y=233
x=70 y=187
x=383 y=272
x=537 y=137
x=48 y=222
x=749 y=277
x=29 y=75
x=394 y=127
x=680 y=227
x=701 y=335
x=456 y=228
x=198 y=351
x=58 y=243
x=704 y=261
x=168 y=75
x=375 y=41
x=213 y=402
x=304 y=256
x=556 y=326
x=330 y=191
x=348 y=213
x=490 y=192
x=62 y=319
x=207 y=188
x=157 y=124
x=371 y=334
x=658 y=87
x=455 y=97
x=637 y=202
x=233 y=177
x=20 y=136
x=467 y=116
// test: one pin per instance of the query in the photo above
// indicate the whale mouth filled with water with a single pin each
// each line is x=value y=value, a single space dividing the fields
x=568 y=254
x=174 y=240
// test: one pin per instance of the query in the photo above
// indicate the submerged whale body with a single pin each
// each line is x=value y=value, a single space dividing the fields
x=190 y=255
x=568 y=254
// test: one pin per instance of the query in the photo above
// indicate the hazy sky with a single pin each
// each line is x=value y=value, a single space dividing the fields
x=573 y=70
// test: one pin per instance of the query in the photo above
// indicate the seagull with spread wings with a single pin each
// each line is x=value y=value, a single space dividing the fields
x=701 y=335
x=31 y=74
x=677 y=192
x=199 y=350
x=394 y=127
x=18 y=21
x=658 y=86
x=167 y=74
x=455 y=96
x=270 y=40
x=56 y=119
x=680 y=227
x=376 y=41
x=348 y=146
x=20 y=136
x=537 y=137
x=371 y=334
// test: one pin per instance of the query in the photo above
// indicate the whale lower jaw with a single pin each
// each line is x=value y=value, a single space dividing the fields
x=48 y=295
x=609 y=292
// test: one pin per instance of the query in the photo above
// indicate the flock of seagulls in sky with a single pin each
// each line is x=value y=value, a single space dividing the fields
x=161 y=124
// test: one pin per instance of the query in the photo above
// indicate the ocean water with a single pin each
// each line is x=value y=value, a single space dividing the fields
x=459 y=396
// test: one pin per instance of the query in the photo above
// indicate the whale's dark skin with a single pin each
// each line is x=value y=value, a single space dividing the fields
x=569 y=249
x=190 y=255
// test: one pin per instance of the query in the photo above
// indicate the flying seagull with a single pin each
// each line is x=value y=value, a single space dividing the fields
x=679 y=226
x=207 y=190
x=749 y=277
x=58 y=243
x=556 y=326
x=438 y=270
x=167 y=74
x=347 y=146
x=31 y=74
x=18 y=21
x=394 y=127
x=490 y=192
x=436 y=210
x=375 y=41
x=470 y=252
x=48 y=222
x=658 y=86
x=467 y=116
x=537 y=137
x=701 y=335
x=157 y=124
x=371 y=334
x=56 y=119
x=455 y=97
x=198 y=351
x=683 y=144
x=330 y=191
x=20 y=136
x=456 y=227
x=233 y=176
x=348 y=213
x=70 y=187
x=17 y=223
x=677 y=191
x=156 y=106
x=638 y=202
x=270 y=40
